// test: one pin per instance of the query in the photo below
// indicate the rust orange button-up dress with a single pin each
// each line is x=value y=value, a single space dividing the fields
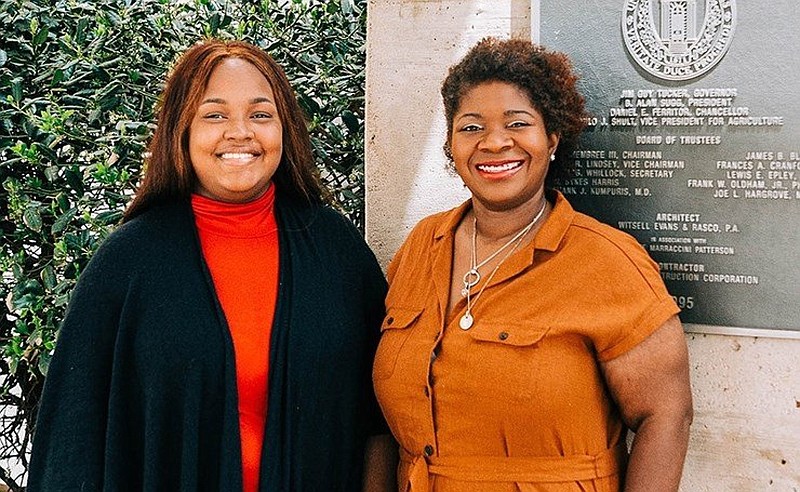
x=517 y=402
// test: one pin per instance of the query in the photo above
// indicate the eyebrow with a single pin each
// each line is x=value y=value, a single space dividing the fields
x=510 y=112
x=255 y=100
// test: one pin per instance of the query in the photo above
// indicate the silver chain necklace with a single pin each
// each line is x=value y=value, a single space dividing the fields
x=473 y=276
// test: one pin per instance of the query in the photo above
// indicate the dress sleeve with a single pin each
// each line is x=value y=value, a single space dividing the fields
x=637 y=300
x=69 y=441
x=654 y=316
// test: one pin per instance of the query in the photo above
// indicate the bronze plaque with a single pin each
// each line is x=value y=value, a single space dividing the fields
x=694 y=145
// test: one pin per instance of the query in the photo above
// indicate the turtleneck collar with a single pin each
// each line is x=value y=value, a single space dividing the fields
x=250 y=219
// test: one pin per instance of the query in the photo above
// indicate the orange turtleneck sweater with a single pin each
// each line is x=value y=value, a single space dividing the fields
x=240 y=246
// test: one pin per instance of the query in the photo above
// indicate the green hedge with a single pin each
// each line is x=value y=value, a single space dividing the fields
x=78 y=82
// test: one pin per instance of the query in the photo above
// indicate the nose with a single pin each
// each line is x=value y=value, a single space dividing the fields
x=238 y=129
x=496 y=140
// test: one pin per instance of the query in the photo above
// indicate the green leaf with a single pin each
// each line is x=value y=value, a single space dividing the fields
x=58 y=76
x=61 y=300
x=75 y=180
x=109 y=217
x=16 y=89
x=48 y=277
x=62 y=202
x=309 y=105
x=213 y=22
x=32 y=219
x=80 y=30
x=351 y=121
x=44 y=362
x=62 y=221
x=40 y=37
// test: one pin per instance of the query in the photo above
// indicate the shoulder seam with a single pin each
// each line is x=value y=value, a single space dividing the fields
x=616 y=245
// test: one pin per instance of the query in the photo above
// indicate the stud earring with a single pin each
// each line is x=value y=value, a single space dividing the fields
x=552 y=157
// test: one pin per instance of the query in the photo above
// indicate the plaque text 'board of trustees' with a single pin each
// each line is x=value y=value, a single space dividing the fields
x=693 y=146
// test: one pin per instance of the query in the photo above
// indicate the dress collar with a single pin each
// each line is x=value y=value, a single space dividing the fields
x=548 y=237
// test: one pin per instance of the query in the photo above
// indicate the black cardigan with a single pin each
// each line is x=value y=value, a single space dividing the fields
x=141 y=393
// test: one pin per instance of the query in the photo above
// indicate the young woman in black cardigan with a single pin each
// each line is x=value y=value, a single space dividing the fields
x=147 y=389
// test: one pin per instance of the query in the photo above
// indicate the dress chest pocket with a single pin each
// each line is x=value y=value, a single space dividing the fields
x=507 y=357
x=395 y=330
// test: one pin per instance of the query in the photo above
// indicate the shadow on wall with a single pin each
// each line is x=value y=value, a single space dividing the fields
x=410 y=45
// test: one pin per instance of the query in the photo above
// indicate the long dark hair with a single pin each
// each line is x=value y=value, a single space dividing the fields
x=168 y=172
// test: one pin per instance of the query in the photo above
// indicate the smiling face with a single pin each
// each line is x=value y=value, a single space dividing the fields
x=500 y=147
x=236 y=135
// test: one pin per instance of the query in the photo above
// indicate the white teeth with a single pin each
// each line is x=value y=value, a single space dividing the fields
x=498 y=169
x=236 y=155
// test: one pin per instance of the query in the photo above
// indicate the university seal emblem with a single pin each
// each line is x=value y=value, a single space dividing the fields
x=665 y=39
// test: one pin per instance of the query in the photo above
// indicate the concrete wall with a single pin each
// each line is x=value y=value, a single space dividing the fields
x=746 y=434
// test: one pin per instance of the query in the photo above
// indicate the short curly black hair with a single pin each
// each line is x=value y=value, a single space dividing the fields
x=545 y=76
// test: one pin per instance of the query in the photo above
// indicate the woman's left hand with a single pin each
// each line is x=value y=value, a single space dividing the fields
x=380 y=464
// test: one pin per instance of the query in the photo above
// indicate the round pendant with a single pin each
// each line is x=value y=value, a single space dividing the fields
x=471 y=278
x=465 y=322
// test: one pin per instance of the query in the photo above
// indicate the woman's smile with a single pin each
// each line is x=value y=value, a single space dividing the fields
x=499 y=169
x=238 y=156
x=238 y=159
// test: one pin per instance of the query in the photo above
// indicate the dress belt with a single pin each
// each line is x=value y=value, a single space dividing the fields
x=536 y=469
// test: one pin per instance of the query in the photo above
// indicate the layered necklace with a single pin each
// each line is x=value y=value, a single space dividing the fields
x=473 y=276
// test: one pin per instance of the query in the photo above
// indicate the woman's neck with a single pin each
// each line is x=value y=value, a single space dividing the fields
x=500 y=225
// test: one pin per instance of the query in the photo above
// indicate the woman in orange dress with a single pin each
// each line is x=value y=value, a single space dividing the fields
x=524 y=339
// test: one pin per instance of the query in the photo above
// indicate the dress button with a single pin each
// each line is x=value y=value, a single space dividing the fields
x=389 y=320
x=503 y=335
x=428 y=450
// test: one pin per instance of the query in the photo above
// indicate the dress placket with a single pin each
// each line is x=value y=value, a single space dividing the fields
x=441 y=266
x=440 y=275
